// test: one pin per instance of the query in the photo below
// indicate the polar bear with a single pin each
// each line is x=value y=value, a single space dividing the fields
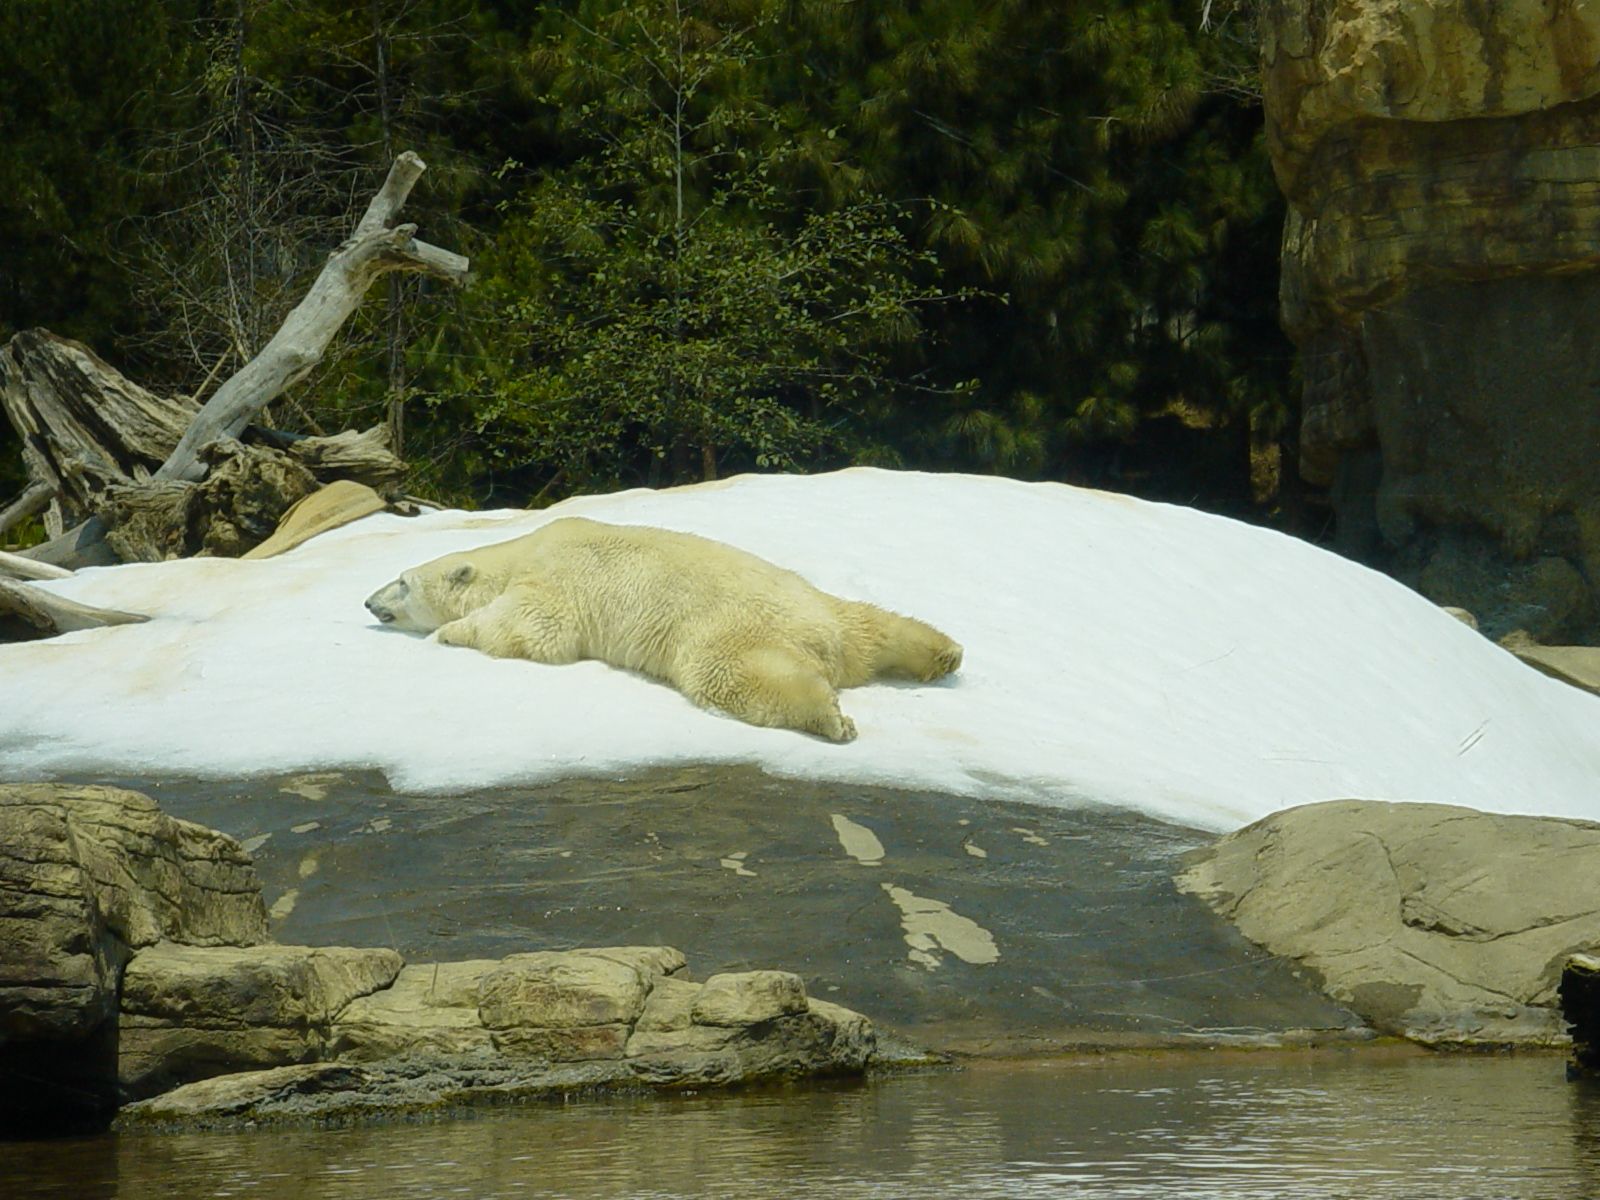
x=727 y=629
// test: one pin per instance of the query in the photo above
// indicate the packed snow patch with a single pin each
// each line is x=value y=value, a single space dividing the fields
x=1117 y=652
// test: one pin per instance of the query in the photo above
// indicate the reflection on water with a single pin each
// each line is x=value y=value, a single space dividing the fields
x=1237 y=1128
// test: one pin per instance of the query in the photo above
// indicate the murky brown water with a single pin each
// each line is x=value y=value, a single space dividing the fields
x=1235 y=1128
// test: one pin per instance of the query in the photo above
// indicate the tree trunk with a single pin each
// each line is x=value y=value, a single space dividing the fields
x=82 y=423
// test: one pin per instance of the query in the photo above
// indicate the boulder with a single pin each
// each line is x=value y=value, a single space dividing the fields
x=430 y=1007
x=1440 y=924
x=1440 y=161
x=89 y=875
x=329 y=507
x=818 y=1039
x=190 y=1012
x=561 y=991
x=748 y=998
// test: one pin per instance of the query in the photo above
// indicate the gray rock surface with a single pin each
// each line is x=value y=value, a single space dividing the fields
x=1440 y=924
x=88 y=875
x=965 y=926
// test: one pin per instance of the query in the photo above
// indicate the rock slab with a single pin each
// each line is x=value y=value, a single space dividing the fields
x=1444 y=925
x=455 y=1034
x=88 y=876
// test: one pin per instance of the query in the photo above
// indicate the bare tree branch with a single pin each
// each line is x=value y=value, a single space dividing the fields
x=298 y=346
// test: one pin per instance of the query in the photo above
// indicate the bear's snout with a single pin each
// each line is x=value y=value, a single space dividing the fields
x=382 y=603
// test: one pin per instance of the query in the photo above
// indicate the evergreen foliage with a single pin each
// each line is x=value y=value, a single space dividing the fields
x=722 y=234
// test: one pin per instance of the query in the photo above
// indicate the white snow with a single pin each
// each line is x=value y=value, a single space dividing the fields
x=1117 y=651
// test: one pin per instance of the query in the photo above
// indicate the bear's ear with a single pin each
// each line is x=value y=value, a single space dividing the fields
x=462 y=575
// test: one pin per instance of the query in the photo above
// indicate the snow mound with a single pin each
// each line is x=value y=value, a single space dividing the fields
x=1117 y=652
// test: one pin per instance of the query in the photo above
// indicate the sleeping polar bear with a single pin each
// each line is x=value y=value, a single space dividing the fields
x=727 y=629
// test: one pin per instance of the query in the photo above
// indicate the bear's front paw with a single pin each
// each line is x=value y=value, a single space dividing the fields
x=844 y=730
x=453 y=633
x=946 y=661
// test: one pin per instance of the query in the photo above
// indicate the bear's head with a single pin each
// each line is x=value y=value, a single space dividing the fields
x=426 y=597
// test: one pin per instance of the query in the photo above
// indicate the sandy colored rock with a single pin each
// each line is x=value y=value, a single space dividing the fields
x=329 y=507
x=430 y=1007
x=669 y=1006
x=256 y=985
x=576 y=1043
x=549 y=990
x=87 y=876
x=1441 y=924
x=748 y=998
x=821 y=1039
x=191 y=1012
x=1577 y=665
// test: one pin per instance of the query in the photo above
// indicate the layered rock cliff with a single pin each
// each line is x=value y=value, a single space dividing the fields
x=1442 y=166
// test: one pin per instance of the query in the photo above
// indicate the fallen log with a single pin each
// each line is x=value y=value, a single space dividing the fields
x=83 y=424
x=28 y=613
x=17 y=567
x=155 y=445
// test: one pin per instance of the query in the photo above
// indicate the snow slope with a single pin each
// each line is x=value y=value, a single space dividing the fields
x=1116 y=651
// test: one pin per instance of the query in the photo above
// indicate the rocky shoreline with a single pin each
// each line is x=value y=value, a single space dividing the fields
x=144 y=975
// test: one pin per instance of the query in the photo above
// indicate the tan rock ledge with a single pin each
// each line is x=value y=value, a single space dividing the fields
x=1444 y=925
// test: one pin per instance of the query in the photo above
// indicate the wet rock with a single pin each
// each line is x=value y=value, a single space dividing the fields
x=88 y=875
x=191 y=1012
x=1440 y=924
x=1064 y=914
x=1580 y=1007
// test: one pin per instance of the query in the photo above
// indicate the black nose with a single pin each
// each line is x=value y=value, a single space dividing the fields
x=383 y=614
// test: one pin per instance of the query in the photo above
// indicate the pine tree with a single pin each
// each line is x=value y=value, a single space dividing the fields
x=665 y=320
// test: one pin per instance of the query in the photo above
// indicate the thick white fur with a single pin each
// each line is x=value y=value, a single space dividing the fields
x=729 y=630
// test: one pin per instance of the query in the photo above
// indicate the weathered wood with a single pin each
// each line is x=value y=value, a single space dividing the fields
x=82 y=423
x=15 y=566
x=365 y=457
x=28 y=613
x=35 y=498
x=81 y=546
x=298 y=345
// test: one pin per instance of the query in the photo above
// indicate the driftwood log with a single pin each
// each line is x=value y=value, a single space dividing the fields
x=14 y=566
x=120 y=468
x=27 y=613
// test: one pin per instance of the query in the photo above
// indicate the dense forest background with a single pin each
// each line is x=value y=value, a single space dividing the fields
x=708 y=236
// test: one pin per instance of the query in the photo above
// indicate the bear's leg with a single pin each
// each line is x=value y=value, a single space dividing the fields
x=774 y=687
x=519 y=623
x=914 y=649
